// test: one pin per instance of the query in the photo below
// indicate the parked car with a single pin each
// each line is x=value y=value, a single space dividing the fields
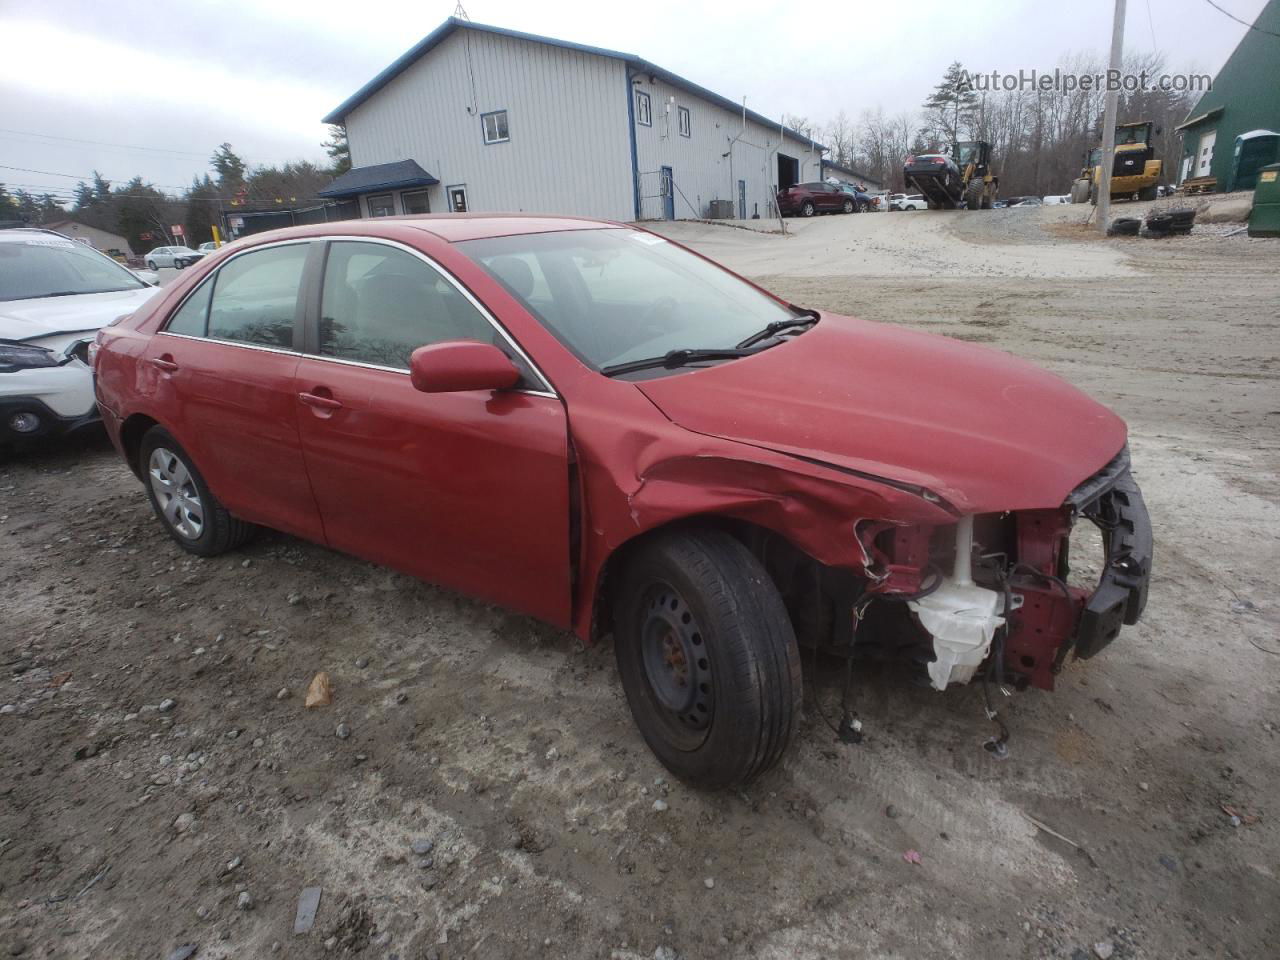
x=207 y=248
x=806 y=199
x=594 y=426
x=895 y=199
x=1023 y=202
x=1055 y=199
x=177 y=257
x=862 y=201
x=913 y=201
x=55 y=294
x=999 y=204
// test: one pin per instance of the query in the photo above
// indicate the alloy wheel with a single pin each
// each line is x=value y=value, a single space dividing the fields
x=176 y=493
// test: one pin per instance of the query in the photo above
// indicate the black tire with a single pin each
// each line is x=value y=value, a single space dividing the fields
x=218 y=530
x=973 y=194
x=848 y=206
x=702 y=592
x=808 y=210
x=151 y=265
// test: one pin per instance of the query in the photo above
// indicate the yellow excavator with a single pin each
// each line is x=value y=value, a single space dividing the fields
x=1135 y=172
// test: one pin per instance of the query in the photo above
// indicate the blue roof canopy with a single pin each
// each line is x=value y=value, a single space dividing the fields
x=379 y=176
x=639 y=64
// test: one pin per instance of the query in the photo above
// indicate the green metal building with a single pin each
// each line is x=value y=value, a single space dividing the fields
x=1234 y=129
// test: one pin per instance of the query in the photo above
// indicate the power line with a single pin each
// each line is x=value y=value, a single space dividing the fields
x=1227 y=13
x=103 y=143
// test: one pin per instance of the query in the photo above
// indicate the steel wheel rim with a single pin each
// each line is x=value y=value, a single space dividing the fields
x=176 y=494
x=676 y=664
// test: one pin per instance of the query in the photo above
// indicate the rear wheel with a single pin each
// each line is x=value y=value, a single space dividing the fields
x=808 y=209
x=707 y=657
x=183 y=501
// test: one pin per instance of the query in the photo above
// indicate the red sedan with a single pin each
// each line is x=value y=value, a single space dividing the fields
x=593 y=425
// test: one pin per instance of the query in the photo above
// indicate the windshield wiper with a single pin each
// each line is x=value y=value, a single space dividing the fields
x=676 y=358
x=805 y=319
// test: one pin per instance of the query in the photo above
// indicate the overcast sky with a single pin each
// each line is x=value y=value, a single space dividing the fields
x=164 y=83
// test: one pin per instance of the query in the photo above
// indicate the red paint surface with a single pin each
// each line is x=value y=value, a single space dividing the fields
x=472 y=489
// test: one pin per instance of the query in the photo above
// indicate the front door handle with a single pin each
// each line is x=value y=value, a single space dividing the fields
x=318 y=402
x=164 y=363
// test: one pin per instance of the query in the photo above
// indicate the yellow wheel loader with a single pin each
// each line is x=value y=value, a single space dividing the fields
x=1135 y=172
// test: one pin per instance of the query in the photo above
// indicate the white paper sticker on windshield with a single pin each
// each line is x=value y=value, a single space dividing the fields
x=648 y=238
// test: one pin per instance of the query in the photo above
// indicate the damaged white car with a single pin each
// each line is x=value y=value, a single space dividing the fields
x=55 y=294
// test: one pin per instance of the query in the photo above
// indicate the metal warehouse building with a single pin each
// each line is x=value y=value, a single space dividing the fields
x=478 y=118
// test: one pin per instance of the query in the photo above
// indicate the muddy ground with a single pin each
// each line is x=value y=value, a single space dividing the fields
x=130 y=827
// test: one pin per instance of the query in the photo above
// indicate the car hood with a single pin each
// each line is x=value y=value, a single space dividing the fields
x=982 y=429
x=50 y=321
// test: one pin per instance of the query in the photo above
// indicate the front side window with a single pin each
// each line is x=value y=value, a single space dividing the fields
x=383 y=205
x=44 y=265
x=495 y=127
x=380 y=303
x=614 y=295
x=644 y=110
x=686 y=124
x=255 y=296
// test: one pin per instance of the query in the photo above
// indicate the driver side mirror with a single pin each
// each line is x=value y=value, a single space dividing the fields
x=459 y=365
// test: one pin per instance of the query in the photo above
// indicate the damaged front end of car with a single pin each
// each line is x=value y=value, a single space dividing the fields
x=991 y=594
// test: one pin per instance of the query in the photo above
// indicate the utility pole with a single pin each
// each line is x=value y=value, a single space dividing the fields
x=1109 y=118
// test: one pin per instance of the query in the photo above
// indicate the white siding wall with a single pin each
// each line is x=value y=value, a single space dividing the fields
x=569 y=151
x=699 y=169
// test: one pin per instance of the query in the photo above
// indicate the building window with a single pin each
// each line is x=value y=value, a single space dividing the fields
x=495 y=127
x=457 y=195
x=383 y=205
x=686 y=126
x=415 y=202
x=644 y=111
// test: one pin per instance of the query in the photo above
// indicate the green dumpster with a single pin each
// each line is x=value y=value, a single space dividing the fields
x=1264 y=220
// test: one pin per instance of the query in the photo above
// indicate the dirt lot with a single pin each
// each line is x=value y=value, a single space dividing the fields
x=130 y=826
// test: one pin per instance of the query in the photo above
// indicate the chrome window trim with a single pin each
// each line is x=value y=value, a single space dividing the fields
x=231 y=343
x=209 y=278
x=549 y=390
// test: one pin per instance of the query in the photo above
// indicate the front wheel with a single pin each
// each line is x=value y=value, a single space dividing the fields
x=808 y=209
x=848 y=206
x=708 y=657
x=151 y=265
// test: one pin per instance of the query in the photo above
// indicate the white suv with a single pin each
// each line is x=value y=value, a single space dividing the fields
x=55 y=294
x=913 y=201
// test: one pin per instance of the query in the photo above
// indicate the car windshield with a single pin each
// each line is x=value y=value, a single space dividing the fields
x=49 y=266
x=617 y=295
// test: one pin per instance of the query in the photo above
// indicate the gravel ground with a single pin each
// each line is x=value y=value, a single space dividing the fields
x=476 y=788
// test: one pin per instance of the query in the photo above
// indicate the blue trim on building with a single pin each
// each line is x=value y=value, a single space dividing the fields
x=442 y=32
x=487 y=141
x=631 y=130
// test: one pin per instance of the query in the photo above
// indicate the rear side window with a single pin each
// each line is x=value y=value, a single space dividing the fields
x=255 y=296
x=192 y=318
x=380 y=303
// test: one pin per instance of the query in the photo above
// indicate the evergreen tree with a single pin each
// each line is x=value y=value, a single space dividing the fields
x=101 y=187
x=228 y=166
x=338 y=149
x=202 y=210
x=85 y=196
x=950 y=108
x=8 y=206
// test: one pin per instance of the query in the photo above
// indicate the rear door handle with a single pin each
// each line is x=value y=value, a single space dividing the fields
x=319 y=402
x=161 y=363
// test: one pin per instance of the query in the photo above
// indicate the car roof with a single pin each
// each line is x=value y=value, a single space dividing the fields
x=13 y=234
x=450 y=227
